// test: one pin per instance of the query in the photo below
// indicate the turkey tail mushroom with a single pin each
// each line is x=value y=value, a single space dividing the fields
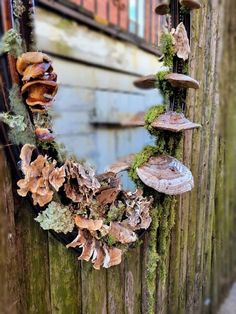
x=166 y=175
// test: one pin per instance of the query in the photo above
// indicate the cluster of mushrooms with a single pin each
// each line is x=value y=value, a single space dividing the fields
x=39 y=87
x=105 y=218
x=164 y=173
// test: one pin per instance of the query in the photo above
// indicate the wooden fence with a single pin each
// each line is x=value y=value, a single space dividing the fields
x=38 y=275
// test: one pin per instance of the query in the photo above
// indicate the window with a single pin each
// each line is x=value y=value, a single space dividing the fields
x=137 y=17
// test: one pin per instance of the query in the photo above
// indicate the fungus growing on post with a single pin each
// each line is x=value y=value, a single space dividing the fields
x=121 y=164
x=163 y=7
x=181 y=42
x=173 y=121
x=181 y=81
x=191 y=4
x=166 y=175
x=136 y=120
x=40 y=92
x=30 y=58
x=90 y=224
x=121 y=233
x=146 y=82
x=44 y=135
x=36 y=71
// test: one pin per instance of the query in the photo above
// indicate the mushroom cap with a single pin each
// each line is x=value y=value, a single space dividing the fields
x=90 y=224
x=173 y=121
x=122 y=233
x=44 y=135
x=163 y=8
x=182 y=81
x=36 y=71
x=121 y=164
x=191 y=4
x=166 y=175
x=40 y=92
x=135 y=120
x=30 y=58
x=146 y=82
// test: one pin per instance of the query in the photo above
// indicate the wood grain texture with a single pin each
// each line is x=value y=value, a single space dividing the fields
x=38 y=275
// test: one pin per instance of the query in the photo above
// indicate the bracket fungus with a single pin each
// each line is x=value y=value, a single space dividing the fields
x=29 y=58
x=182 y=81
x=146 y=82
x=137 y=120
x=166 y=175
x=191 y=4
x=173 y=121
x=181 y=42
x=121 y=164
x=163 y=7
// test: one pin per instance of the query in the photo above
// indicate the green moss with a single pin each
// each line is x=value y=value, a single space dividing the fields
x=164 y=86
x=167 y=49
x=110 y=240
x=139 y=160
x=152 y=259
x=186 y=68
x=11 y=43
x=13 y=121
x=115 y=213
x=153 y=113
x=18 y=108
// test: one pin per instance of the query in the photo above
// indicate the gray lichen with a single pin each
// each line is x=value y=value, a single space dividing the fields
x=56 y=217
x=13 y=121
x=11 y=42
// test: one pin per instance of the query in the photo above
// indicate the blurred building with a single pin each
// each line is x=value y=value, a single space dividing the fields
x=99 y=48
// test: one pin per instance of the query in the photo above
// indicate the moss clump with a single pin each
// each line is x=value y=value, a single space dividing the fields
x=139 y=160
x=56 y=217
x=164 y=86
x=152 y=114
x=18 y=8
x=18 y=108
x=13 y=121
x=115 y=213
x=152 y=258
x=11 y=42
x=167 y=49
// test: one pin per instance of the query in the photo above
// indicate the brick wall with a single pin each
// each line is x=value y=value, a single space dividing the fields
x=108 y=10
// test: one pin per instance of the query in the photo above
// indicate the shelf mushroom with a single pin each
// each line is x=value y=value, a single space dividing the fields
x=137 y=120
x=163 y=7
x=121 y=164
x=146 y=82
x=173 y=121
x=44 y=135
x=191 y=4
x=181 y=42
x=166 y=174
x=182 y=81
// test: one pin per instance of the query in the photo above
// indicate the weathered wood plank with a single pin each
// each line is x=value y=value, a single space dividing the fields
x=64 y=279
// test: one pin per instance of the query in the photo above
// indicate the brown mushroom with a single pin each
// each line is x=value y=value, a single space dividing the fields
x=137 y=120
x=163 y=7
x=181 y=81
x=181 y=42
x=87 y=248
x=78 y=241
x=166 y=174
x=98 y=256
x=173 y=121
x=191 y=4
x=44 y=135
x=121 y=233
x=29 y=58
x=90 y=224
x=25 y=156
x=146 y=82
x=112 y=257
x=121 y=164
x=36 y=71
x=40 y=92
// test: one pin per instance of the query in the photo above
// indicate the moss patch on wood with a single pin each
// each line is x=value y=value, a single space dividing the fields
x=167 y=49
